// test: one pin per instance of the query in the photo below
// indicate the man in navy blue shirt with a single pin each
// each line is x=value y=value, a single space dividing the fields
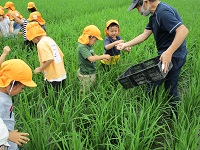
x=169 y=33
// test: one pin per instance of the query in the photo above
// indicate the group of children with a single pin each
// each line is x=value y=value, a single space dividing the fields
x=12 y=22
x=15 y=74
x=50 y=54
x=87 y=57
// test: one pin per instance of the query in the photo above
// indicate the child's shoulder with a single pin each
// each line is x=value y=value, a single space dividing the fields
x=83 y=46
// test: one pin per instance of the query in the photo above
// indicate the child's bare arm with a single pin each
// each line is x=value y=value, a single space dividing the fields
x=43 y=66
x=16 y=18
x=10 y=28
x=111 y=45
x=6 y=50
x=99 y=57
x=18 y=137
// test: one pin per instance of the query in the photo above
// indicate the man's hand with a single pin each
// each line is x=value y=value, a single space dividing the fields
x=166 y=58
x=121 y=46
x=128 y=49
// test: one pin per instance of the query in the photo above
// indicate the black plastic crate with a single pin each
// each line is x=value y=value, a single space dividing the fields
x=144 y=72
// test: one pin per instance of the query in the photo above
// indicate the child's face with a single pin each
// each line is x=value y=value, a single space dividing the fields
x=92 y=41
x=113 y=31
x=18 y=88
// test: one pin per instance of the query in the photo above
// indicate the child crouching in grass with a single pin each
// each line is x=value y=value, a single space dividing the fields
x=87 y=57
x=15 y=74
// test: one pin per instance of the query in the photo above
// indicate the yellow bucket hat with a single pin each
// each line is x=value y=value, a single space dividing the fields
x=9 y=5
x=1 y=8
x=1 y=12
x=31 y=5
x=36 y=16
x=108 y=23
x=90 y=30
x=33 y=29
x=18 y=70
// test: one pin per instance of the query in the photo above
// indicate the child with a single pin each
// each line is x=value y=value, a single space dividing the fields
x=112 y=32
x=50 y=57
x=87 y=58
x=35 y=15
x=5 y=25
x=11 y=7
x=23 y=23
x=15 y=74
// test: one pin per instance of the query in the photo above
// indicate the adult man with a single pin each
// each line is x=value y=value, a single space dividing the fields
x=169 y=33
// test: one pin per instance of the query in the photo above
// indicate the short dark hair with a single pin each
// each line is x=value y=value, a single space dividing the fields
x=32 y=9
x=112 y=25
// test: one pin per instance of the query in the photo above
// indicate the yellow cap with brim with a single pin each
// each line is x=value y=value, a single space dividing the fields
x=107 y=25
x=1 y=8
x=9 y=5
x=1 y=12
x=33 y=29
x=36 y=16
x=90 y=30
x=31 y=5
x=18 y=70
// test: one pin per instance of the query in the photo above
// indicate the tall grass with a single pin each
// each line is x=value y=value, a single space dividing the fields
x=109 y=117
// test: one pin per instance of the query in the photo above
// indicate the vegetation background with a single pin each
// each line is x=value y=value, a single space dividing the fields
x=109 y=117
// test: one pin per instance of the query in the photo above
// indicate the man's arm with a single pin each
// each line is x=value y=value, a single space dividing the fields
x=139 y=39
x=181 y=34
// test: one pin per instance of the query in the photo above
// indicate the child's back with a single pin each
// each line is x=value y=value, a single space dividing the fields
x=5 y=25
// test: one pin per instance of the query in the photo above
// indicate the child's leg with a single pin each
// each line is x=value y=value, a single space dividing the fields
x=28 y=44
x=87 y=82
x=58 y=85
